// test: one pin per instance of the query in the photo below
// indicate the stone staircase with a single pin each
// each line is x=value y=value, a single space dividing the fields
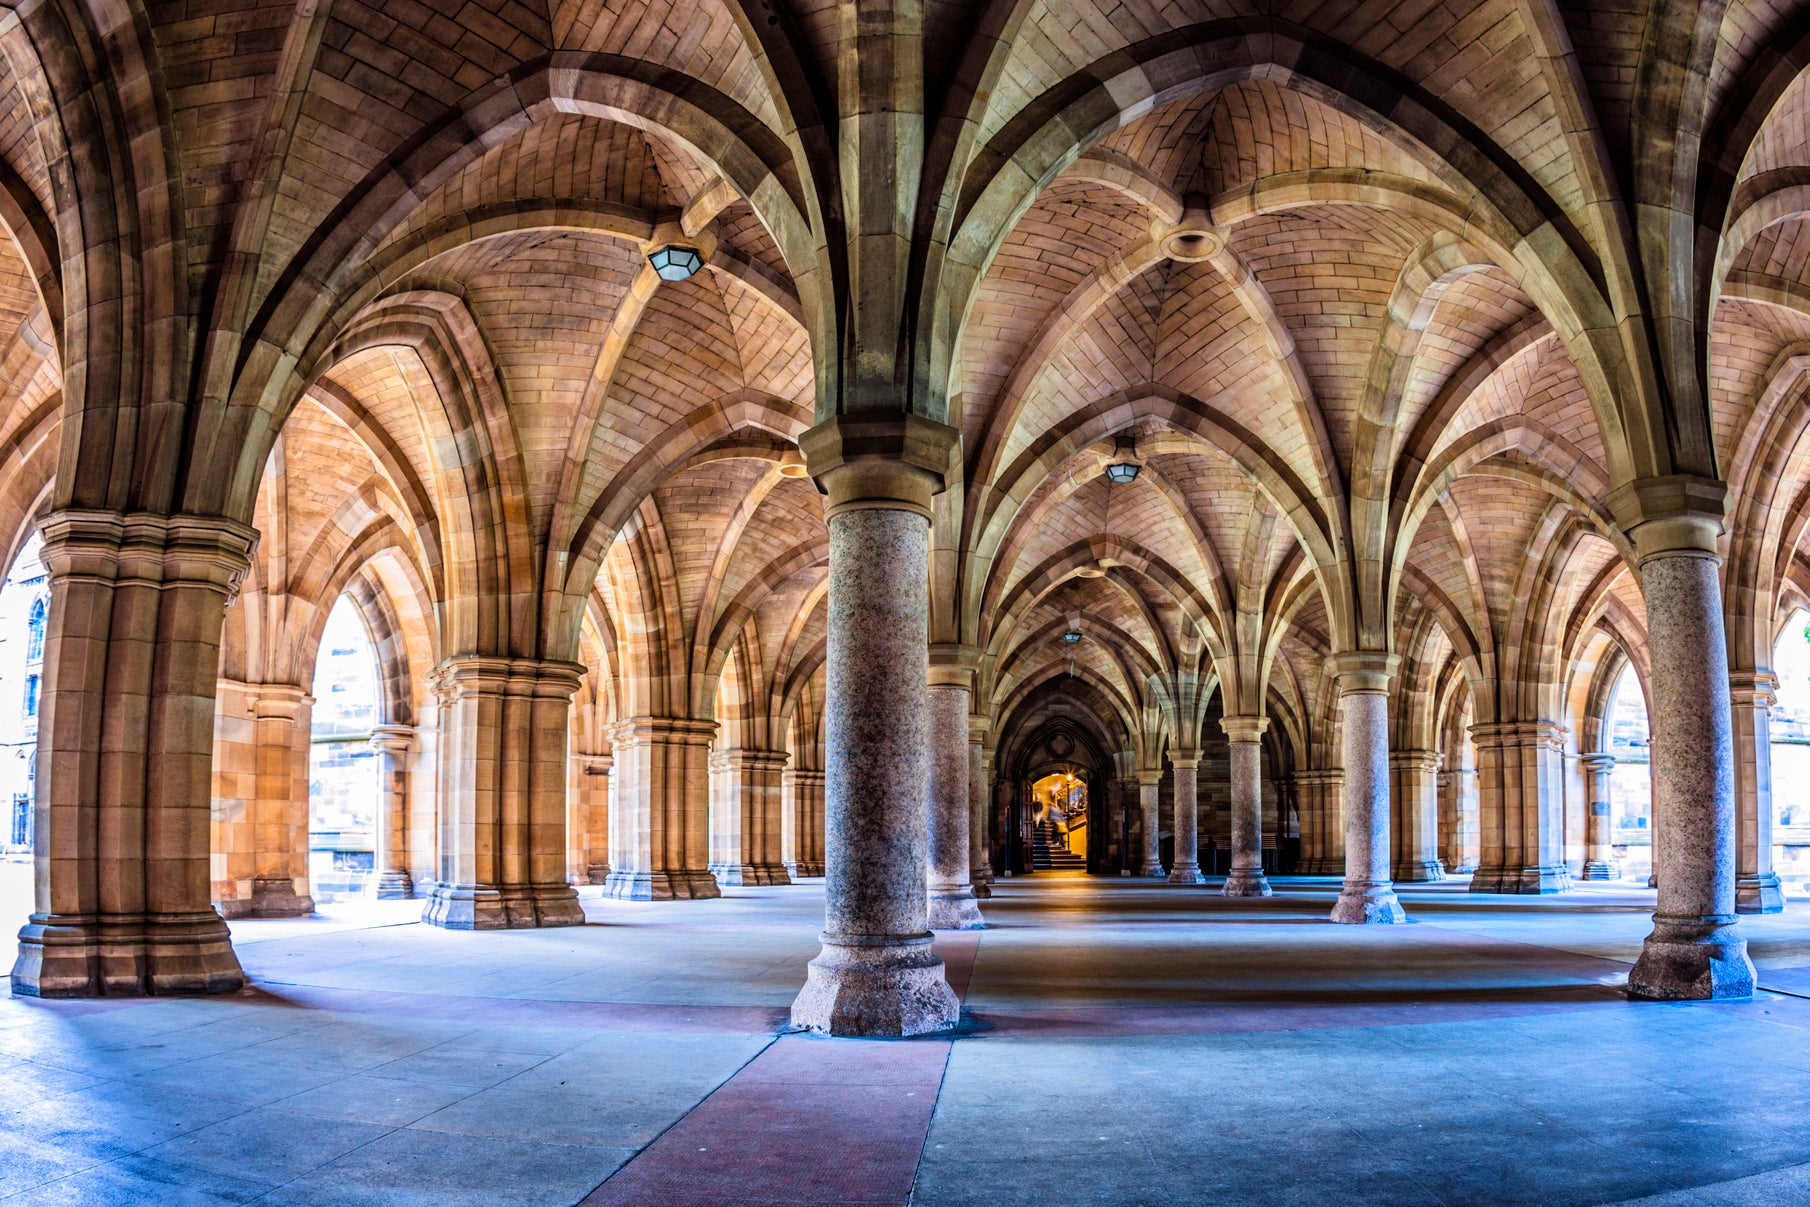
x=1050 y=853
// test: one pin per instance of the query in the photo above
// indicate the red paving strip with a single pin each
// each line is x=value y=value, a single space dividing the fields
x=809 y=1120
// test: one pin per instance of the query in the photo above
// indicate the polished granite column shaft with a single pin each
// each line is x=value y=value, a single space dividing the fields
x=1150 y=802
x=1599 y=853
x=1696 y=949
x=1368 y=895
x=951 y=894
x=1246 y=878
x=980 y=867
x=876 y=974
x=1186 y=869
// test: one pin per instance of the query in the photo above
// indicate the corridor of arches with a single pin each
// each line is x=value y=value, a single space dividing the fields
x=528 y=465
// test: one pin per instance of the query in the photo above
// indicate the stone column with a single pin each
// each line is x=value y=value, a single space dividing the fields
x=803 y=792
x=877 y=974
x=980 y=791
x=590 y=818
x=746 y=830
x=1455 y=821
x=393 y=744
x=1757 y=888
x=1599 y=851
x=1368 y=895
x=660 y=826
x=1186 y=869
x=504 y=725
x=1246 y=878
x=125 y=757
x=1150 y=800
x=1522 y=807
x=1313 y=830
x=1416 y=816
x=950 y=803
x=281 y=715
x=1696 y=949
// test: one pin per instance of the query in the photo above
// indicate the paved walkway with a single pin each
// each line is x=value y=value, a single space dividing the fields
x=1123 y=1042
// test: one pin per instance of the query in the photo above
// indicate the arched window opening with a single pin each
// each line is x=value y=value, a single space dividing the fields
x=342 y=767
x=1790 y=726
x=24 y=607
x=1629 y=739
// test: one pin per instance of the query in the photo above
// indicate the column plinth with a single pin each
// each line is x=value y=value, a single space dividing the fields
x=1246 y=878
x=877 y=974
x=1696 y=950
x=1369 y=895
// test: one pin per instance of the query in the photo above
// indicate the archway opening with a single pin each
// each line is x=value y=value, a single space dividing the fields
x=1630 y=741
x=24 y=614
x=1790 y=730
x=1059 y=822
x=343 y=768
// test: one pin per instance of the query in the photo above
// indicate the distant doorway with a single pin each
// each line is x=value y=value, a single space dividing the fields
x=24 y=613
x=343 y=787
x=1059 y=818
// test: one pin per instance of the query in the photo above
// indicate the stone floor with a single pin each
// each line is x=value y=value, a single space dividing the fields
x=1123 y=1042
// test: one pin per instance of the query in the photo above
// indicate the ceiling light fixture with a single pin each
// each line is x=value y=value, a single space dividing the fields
x=1124 y=466
x=675 y=261
x=1072 y=636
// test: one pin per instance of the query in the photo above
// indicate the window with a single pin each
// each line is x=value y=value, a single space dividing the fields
x=21 y=820
x=34 y=633
x=32 y=683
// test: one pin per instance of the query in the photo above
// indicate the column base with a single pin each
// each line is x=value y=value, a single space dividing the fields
x=876 y=986
x=1759 y=893
x=276 y=897
x=952 y=907
x=1247 y=882
x=1598 y=869
x=1185 y=875
x=732 y=875
x=980 y=880
x=1368 y=903
x=1550 y=878
x=801 y=871
x=394 y=885
x=1692 y=959
x=82 y=956
x=1153 y=869
x=1418 y=871
x=597 y=873
x=686 y=885
x=1464 y=867
x=481 y=907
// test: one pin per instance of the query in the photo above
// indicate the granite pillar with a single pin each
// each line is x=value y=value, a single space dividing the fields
x=1414 y=858
x=1150 y=799
x=1368 y=895
x=1599 y=850
x=1757 y=888
x=1246 y=878
x=1186 y=869
x=660 y=825
x=1696 y=949
x=877 y=974
x=980 y=863
x=393 y=744
x=125 y=757
x=950 y=804
x=504 y=726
